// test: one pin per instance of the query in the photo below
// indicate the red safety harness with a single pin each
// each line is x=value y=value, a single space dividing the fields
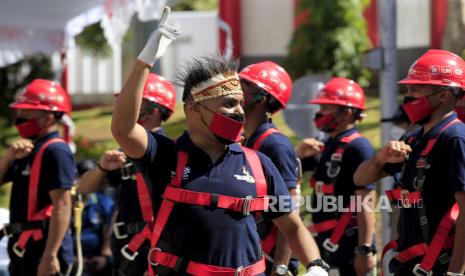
x=34 y=215
x=130 y=250
x=441 y=239
x=339 y=226
x=175 y=194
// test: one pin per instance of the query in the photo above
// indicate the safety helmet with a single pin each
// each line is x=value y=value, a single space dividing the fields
x=270 y=77
x=159 y=90
x=341 y=91
x=437 y=67
x=43 y=95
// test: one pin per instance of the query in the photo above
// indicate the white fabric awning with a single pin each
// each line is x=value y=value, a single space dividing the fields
x=47 y=26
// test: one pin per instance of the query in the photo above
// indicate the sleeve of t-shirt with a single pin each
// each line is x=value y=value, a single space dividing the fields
x=9 y=174
x=358 y=152
x=457 y=164
x=280 y=199
x=285 y=161
x=392 y=168
x=60 y=168
x=149 y=155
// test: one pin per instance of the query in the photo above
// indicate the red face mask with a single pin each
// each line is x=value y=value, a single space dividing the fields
x=227 y=127
x=460 y=112
x=418 y=110
x=325 y=123
x=28 y=128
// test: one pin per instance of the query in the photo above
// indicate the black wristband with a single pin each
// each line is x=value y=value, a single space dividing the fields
x=320 y=263
x=102 y=169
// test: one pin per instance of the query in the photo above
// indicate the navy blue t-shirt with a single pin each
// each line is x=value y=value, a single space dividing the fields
x=212 y=236
x=354 y=154
x=128 y=208
x=444 y=178
x=57 y=172
x=280 y=150
x=95 y=217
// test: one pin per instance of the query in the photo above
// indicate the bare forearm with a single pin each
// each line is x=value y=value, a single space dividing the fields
x=91 y=181
x=457 y=261
x=366 y=217
x=282 y=252
x=59 y=224
x=300 y=241
x=368 y=172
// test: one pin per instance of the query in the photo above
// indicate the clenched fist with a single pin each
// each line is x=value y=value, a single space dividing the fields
x=21 y=148
x=309 y=147
x=112 y=160
x=394 y=152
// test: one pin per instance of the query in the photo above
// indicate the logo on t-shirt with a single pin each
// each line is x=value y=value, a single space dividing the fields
x=186 y=172
x=246 y=176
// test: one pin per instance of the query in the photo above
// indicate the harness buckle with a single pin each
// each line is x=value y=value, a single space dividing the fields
x=246 y=205
x=238 y=271
x=333 y=170
x=118 y=234
x=418 y=271
x=331 y=247
x=125 y=252
x=404 y=199
x=126 y=171
x=19 y=252
x=418 y=183
x=149 y=256
x=319 y=188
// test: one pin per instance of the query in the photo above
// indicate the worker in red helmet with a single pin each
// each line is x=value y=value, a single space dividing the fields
x=431 y=188
x=134 y=209
x=206 y=187
x=41 y=167
x=344 y=234
x=267 y=88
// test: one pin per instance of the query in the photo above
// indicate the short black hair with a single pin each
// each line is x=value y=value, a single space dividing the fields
x=202 y=69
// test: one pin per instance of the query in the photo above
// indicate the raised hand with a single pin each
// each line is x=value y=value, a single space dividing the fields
x=394 y=152
x=159 y=40
x=309 y=147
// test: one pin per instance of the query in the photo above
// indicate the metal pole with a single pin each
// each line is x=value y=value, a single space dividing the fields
x=388 y=87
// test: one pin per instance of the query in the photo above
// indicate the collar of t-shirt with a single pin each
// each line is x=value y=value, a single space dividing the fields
x=48 y=136
x=345 y=133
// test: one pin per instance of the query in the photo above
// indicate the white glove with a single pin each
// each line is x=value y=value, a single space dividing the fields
x=316 y=271
x=159 y=40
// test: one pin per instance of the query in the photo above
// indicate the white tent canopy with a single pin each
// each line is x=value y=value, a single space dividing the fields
x=47 y=26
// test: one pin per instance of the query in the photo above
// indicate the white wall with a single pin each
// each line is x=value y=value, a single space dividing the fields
x=413 y=23
x=267 y=27
x=199 y=37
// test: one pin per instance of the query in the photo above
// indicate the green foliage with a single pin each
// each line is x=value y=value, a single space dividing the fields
x=195 y=5
x=93 y=40
x=14 y=78
x=330 y=39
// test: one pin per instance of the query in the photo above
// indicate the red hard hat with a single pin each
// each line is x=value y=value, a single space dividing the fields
x=437 y=67
x=159 y=90
x=270 y=77
x=341 y=91
x=43 y=95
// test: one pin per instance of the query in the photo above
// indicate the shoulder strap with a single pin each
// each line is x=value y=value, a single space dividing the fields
x=256 y=165
x=145 y=201
x=34 y=178
x=268 y=132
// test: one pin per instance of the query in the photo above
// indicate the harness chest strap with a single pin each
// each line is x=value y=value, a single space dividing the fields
x=32 y=213
x=322 y=188
x=157 y=257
